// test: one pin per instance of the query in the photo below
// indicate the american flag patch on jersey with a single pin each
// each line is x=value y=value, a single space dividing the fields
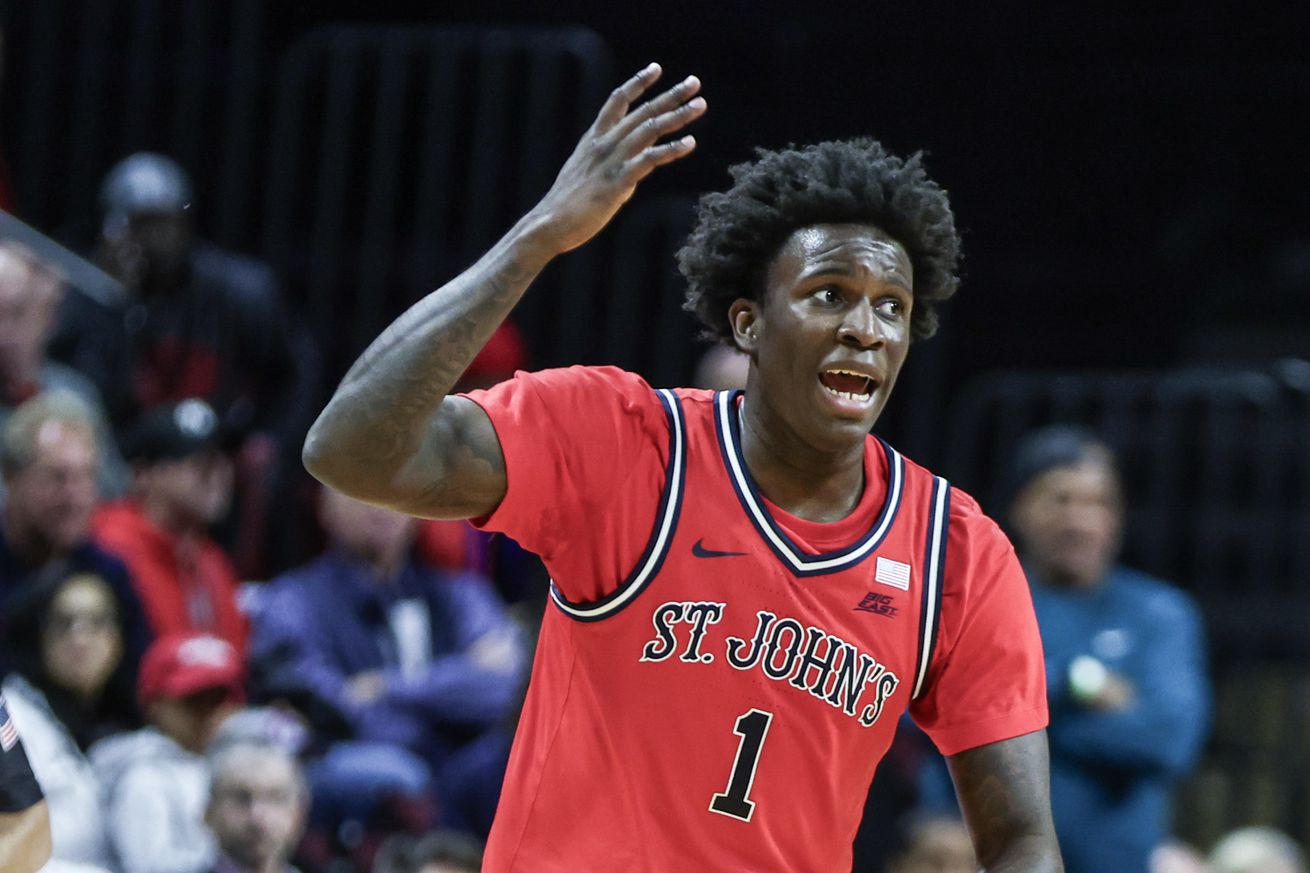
x=892 y=573
x=8 y=733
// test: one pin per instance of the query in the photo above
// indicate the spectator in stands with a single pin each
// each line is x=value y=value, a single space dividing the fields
x=257 y=805
x=181 y=484
x=70 y=688
x=264 y=726
x=935 y=844
x=198 y=322
x=68 y=644
x=49 y=461
x=156 y=780
x=1125 y=659
x=417 y=662
x=439 y=852
x=29 y=296
x=1257 y=850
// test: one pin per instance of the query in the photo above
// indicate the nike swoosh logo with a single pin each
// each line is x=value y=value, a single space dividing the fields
x=700 y=551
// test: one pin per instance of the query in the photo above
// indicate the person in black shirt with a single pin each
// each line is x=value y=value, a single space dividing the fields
x=196 y=321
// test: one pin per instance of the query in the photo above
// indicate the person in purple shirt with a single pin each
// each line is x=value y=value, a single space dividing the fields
x=422 y=668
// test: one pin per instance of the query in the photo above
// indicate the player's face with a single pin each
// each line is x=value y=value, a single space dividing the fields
x=1068 y=522
x=831 y=332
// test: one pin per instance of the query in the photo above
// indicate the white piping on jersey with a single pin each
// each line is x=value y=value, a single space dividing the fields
x=662 y=535
x=932 y=579
x=797 y=561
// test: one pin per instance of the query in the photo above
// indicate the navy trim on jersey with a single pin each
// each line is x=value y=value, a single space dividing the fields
x=934 y=569
x=666 y=521
x=800 y=563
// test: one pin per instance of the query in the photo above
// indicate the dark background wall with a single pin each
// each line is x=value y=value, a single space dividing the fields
x=1119 y=169
x=1127 y=175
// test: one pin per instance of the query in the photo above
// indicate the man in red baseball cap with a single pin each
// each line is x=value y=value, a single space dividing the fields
x=157 y=779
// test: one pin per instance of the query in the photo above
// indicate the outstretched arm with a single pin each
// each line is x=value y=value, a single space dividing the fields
x=390 y=435
x=1005 y=795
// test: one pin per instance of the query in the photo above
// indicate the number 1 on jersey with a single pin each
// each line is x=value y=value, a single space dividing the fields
x=752 y=727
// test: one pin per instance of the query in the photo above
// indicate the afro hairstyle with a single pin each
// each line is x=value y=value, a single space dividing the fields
x=738 y=232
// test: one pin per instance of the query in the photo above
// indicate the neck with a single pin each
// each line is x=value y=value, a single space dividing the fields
x=812 y=484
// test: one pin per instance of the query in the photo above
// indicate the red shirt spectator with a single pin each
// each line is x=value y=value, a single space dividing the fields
x=181 y=484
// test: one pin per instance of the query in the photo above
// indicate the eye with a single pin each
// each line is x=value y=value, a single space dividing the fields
x=890 y=307
x=829 y=294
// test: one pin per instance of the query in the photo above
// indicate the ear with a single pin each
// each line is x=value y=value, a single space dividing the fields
x=744 y=316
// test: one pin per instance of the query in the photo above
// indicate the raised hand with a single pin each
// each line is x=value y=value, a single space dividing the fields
x=391 y=435
x=620 y=149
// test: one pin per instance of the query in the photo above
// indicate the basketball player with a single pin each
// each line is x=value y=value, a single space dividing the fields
x=748 y=589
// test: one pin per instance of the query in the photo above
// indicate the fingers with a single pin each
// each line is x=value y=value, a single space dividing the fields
x=616 y=105
x=657 y=109
x=645 y=135
x=626 y=139
x=659 y=155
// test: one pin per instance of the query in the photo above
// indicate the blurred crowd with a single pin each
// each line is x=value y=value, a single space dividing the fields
x=197 y=691
x=192 y=694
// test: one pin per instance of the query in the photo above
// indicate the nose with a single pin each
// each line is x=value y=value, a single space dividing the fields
x=860 y=327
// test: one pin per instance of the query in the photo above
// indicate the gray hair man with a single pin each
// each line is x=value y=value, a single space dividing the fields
x=257 y=807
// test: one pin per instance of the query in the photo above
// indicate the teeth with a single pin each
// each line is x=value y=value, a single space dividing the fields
x=846 y=394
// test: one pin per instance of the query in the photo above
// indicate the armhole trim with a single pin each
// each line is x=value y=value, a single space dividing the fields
x=933 y=577
x=666 y=521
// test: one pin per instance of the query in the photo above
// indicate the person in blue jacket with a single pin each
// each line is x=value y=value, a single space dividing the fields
x=1125 y=656
x=422 y=669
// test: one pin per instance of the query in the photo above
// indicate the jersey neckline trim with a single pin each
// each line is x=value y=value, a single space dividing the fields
x=728 y=429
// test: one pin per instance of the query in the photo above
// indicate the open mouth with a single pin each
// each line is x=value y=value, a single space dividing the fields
x=847 y=384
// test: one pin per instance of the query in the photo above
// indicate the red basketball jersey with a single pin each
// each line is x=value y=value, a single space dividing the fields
x=724 y=704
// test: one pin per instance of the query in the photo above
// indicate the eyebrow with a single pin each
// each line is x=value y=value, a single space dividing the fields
x=893 y=277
